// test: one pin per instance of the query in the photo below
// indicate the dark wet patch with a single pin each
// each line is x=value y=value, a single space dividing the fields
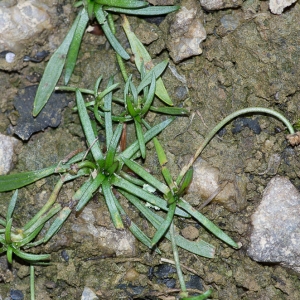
x=50 y=116
x=240 y=123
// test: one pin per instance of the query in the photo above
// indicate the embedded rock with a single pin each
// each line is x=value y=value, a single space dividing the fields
x=276 y=226
x=277 y=6
x=206 y=182
x=7 y=149
x=20 y=23
x=220 y=4
x=186 y=32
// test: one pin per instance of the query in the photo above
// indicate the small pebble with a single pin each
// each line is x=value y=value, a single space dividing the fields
x=16 y=295
x=190 y=233
x=10 y=57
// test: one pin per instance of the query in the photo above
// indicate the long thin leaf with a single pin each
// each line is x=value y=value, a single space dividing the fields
x=149 y=135
x=140 y=137
x=214 y=229
x=89 y=191
x=100 y=16
x=53 y=71
x=147 y=11
x=150 y=96
x=136 y=168
x=87 y=127
x=141 y=56
x=111 y=204
x=152 y=199
x=31 y=257
x=200 y=247
x=11 y=206
x=108 y=113
x=164 y=225
x=122 y=3
x=75 y=45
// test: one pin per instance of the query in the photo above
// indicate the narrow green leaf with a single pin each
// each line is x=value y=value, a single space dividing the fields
x=140 y=137
x=57 y=224
x=164 y=225
x=130 y=108
x=75 y=45
x=156 y=71
x=111 y=204
x=29 y=238
x=207 y=223
x=15 y=181
x=147 y=11
x=107 y=31
x=97 y=84
x=87 y=127
x=110 y=155
x=175 y=111
x=122 y=3
x=150 y=97
x=186 y=181
x=149 y=135
x=141 y=55
x=162 y=158
x=152 y=199
x=136 y=168
x=8 y=231
x=200 y=247
x=31 y=257
x=89 y=191
x=11 y=205
x=53 y=71
x=9 y=253
x=108 y=113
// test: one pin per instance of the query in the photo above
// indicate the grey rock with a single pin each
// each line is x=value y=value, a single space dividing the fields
x=186 y=32
x=276 y=225
x=7 y=149
x=220 y=4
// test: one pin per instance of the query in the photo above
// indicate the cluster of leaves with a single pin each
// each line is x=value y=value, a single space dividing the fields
x=104 y=170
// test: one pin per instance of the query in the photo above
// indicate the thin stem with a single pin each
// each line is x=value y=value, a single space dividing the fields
x=32 y=296
x=177 y=262
x=225 y=121
x=119 y=58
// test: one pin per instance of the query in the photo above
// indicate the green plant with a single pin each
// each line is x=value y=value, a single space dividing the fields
x=67 y=52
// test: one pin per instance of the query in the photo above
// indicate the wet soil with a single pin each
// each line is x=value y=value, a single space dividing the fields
x=256 y=64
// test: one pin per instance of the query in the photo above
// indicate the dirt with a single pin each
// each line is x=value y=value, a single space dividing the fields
x=256 y=64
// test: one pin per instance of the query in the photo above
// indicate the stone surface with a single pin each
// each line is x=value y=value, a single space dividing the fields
x=277 y=6
x=7 y=149
x=20 y=23
x=186 y=32
x=276 y=225
x=206 y=181
x=220 y=4
x=105 y=241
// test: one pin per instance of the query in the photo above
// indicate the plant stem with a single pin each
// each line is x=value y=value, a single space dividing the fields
x=235 y=114
x=177 y=262
x=119 y=58
x=32 y=296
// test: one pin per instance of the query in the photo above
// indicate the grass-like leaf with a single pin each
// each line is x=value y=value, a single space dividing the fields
x=200 y=247
x=75 y=45
x=89 y=191
x=12 y=204
x=140 y=136
x=207 y=223
x=100 y=16
x=87 y=127
x=141 y=56
x=31 y=257
x=123 y=3
x=147 y=11
x=111 y=204
x=53 y=71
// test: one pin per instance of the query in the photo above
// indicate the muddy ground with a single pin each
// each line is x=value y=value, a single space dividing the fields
x=256 y=64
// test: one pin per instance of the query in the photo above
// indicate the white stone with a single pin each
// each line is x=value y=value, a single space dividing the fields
x=21 y=22
x=7 y=145
x=277 y=6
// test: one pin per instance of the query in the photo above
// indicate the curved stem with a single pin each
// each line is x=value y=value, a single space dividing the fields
x=225 y=121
